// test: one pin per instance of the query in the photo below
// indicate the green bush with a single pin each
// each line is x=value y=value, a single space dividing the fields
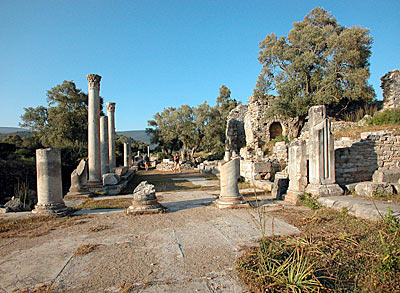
x=387 y=117
x=309 y=201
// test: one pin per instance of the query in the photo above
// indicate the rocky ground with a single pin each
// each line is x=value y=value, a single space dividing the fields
x=191 y=248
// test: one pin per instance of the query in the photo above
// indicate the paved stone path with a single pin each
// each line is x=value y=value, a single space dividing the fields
x=192 y=248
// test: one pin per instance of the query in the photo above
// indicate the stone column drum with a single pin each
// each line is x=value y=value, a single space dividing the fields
x=230 y=196
x=105 y=166
x=127 y=154
x=297 y=169
x=94 y=130
x=49 y=184
x=111 y=134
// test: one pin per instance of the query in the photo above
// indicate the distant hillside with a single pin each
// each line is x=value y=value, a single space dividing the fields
x=136 y=135
x=9 y=130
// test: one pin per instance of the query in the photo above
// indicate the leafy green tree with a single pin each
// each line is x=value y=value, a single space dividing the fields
x=63 y=123
x=319 y=62
x=164 y=132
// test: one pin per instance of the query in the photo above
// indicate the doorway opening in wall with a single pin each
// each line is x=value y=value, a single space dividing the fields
x=275 y=130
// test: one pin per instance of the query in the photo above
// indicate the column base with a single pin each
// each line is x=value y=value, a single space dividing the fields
x=79 y=194
x=54 y=210
x=152 y=207
x=324 y=189
x=291 y=196
x=95 y=186
x=231 y=203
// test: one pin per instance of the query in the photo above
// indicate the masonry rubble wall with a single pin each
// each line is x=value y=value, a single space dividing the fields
x=391 y=89
x=357 y=159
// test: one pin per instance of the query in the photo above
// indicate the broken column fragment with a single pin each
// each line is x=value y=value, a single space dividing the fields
x=297 y=169
x=49 y=184
x=145 y=200
x=79 y=181
x=230 y=196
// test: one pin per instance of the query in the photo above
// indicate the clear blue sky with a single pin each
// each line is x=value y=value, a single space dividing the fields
x=156 y=54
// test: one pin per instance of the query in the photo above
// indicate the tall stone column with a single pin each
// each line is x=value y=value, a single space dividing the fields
x=49 y=184
x=94 y=130
x=230 y=196
x=111 y=134
x=297 y=169
x=127 y=154
x=321 y=155
x=105 y=166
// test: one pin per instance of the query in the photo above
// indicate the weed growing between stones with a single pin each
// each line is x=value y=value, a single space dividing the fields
x=309 y=201
x=335 y=252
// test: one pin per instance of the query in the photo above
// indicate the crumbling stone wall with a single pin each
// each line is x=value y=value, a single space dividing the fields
x=391 y=89
x=235 y=133
x=357 y=160
x=248 y=126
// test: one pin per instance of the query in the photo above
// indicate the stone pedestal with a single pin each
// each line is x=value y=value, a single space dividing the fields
x=127 y=154
x=111 y=134
x=297 y=169
x=281 y=183
x=79 y=181
x=229 y=175
x=94 y=130
x=105 y=166
x=321 y=155
x=49 y=184
x=145 y=200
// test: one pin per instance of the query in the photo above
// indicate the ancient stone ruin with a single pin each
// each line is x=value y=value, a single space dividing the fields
x=79 y=181
x=391 y=89
x=229 y=175
x=49 y=185
x=145 y=200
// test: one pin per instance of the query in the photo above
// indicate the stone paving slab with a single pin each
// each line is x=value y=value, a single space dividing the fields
x=364 y=208
x=191 y=248
x=200 y=181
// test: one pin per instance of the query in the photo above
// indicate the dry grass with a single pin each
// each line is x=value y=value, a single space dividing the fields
x=343 y=253
x=113 y=203
x=36 y=226
x=356 y=131
x=43 y=288
x=85 y=249
x=99 y=228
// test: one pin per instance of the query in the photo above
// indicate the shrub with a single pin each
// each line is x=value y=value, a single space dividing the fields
x=387 y=117
x=309 y=201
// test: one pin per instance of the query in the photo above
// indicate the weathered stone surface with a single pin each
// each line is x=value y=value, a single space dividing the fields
x=370 y=189
x=120 y=171
x=391 y=89
x=321 y=155
x=356 y=160
x=281 y=184
x=297 y=169
x=235 y=133
x=145 y=200
x=110 y=179
x=104 y=154
x=79 y=181
x=49 y=186
x=386 y=176
x=360 y=207
x=229 y=196
x=127 y=154
x=111 y=133
x=94 y=130
x=16 y=205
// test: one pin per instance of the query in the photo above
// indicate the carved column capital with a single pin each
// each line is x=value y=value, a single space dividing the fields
x=110 y=107
x=94 y=81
